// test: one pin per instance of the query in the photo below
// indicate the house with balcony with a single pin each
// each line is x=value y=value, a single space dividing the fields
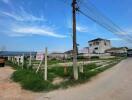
x=99 y=46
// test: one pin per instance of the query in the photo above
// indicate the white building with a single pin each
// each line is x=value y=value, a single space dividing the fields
x=84 y=50
x=57 y=55
x=99 y=45
x=115 y=51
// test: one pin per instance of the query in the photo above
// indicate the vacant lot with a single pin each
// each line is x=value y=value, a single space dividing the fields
x=113 y=84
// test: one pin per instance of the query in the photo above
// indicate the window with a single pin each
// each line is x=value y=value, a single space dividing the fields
x=96 y=48
x=105 y=43
x=90 y=44
x=97 y=43
x=94 y=43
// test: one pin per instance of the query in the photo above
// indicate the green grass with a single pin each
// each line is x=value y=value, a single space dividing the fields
x=31 y=81
x=50 y=62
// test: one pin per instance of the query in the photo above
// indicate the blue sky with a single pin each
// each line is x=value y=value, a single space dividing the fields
x=32 y=25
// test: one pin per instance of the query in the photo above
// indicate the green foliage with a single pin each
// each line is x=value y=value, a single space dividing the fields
x=90 y=66
x=59 y=71
x=32 y=81
x=95 y=57
x=80 y=57
x=54 y=61
x=35 y=82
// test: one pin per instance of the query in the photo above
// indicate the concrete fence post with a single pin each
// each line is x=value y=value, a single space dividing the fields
x=45 y=67
x=22 y=61
x=81 y=68
x=30 y=59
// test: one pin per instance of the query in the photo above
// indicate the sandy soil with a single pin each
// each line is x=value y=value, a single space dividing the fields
x=113 y=84
x=10 y=90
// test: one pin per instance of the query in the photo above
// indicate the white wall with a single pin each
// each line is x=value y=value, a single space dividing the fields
x=101 y=47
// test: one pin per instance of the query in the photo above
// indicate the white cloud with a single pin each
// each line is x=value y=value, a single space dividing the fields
x=23 y=16
x=6 y=1
x=81 y=28
x=116 y=39
x=27 y=31
x=129 y=30
x=25 y=23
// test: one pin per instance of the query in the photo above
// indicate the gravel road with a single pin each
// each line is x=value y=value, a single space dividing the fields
x=113 y=84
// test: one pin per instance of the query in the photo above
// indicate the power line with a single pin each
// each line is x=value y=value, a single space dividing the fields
x=90 y=11
x=108 y=28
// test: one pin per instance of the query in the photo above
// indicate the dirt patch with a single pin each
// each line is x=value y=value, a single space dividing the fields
x=58 y=80
x=10 y=90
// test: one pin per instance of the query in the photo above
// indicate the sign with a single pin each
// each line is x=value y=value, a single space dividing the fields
x=39 y=56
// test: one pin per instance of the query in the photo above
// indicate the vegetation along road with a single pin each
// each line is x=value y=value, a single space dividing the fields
x=112 y=84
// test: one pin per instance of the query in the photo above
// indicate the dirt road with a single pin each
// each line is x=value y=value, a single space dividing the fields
x=10 y=90
x=113 y=84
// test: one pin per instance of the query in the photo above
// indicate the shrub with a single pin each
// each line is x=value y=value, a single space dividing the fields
x=80 y=57
x=32 y=81
x=90 y=66
x=95 y=57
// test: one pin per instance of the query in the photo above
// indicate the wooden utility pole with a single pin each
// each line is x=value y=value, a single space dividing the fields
x=75 y=67
x=45 y=67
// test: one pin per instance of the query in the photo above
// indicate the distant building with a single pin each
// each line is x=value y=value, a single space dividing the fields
x=84 y=50
x=99 y=45
x=129 y=52
x=117 y=51
x=56 y=55
x=69 y=53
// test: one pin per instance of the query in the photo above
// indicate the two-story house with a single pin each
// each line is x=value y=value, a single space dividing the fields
x=99 y=45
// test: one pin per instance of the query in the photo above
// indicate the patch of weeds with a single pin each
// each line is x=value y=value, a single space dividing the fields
x=35 y=82
x=32 y=81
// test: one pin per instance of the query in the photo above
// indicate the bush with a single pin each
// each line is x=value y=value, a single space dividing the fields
x=95 y=57
x=31 y=81
x=90 y=66
x=80 y=57
x=59 y=71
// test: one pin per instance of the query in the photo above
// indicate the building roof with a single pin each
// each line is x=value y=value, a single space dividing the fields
x=69 y=52
x=98 y=39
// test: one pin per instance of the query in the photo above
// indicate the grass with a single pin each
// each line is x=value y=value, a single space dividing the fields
x=50 y=62
x=31 y=81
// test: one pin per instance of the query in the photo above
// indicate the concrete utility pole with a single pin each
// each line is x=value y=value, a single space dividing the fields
x=75 y=67
x=45 y=67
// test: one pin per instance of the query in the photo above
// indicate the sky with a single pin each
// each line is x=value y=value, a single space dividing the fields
x=32 y=25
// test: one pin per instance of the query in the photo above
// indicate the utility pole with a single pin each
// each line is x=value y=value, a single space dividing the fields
x=75 y=67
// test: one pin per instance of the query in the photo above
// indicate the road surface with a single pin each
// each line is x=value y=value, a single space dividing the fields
x=113 y=84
